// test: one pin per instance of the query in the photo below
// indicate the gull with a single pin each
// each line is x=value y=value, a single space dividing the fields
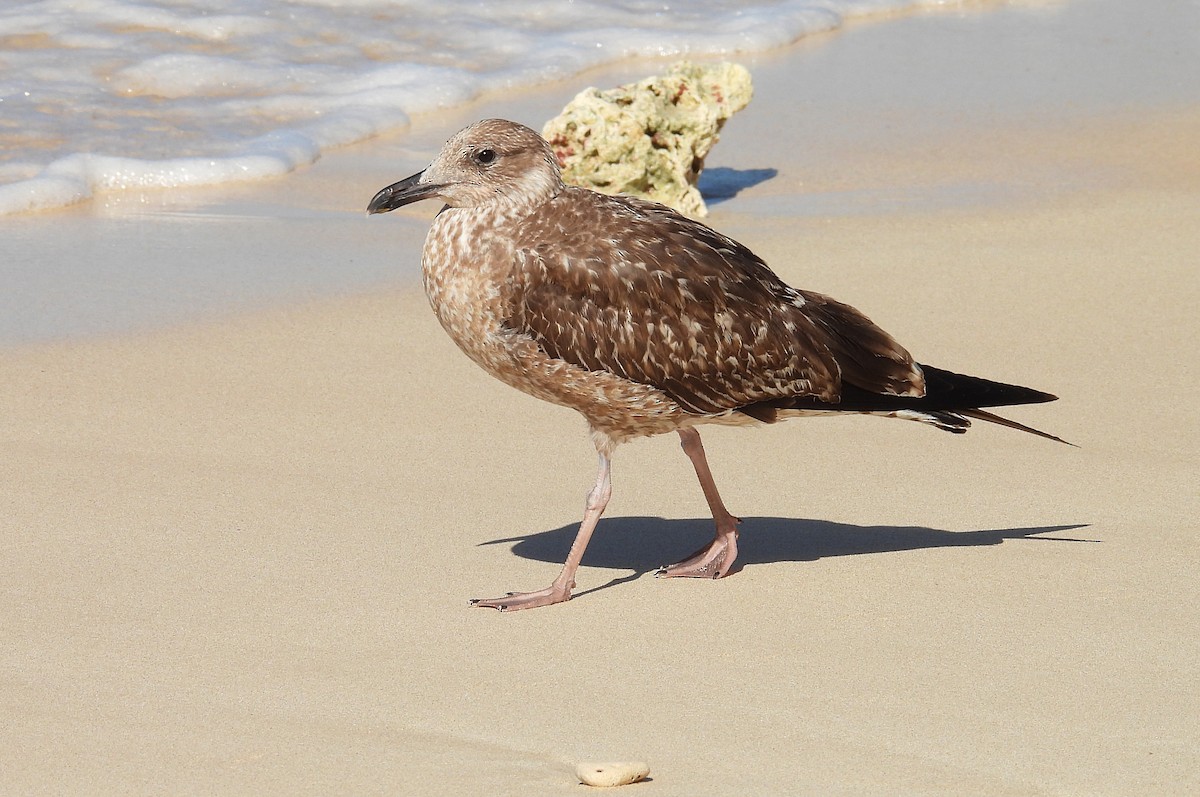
x=647 y=322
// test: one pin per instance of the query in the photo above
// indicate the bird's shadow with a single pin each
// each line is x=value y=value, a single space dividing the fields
x=643 y=544
x=719 y=183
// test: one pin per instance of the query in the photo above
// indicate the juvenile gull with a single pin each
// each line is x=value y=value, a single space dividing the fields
x=648 y=322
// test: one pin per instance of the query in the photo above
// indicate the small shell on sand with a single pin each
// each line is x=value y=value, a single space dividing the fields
x=611 y=773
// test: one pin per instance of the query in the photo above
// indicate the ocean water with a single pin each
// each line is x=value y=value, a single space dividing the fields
x=106 y=95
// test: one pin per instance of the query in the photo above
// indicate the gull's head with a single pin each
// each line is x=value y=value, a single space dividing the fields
x=491 y=164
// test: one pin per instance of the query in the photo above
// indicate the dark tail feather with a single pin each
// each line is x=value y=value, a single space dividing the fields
x=982 y=415
x=946 y=390
x=949 y=399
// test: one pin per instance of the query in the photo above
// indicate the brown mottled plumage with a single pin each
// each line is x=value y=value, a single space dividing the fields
x=647 y=322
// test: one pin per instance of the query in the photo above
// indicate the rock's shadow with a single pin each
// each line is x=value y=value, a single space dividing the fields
x=719 y=183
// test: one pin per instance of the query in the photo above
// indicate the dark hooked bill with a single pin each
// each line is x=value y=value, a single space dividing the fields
x=405 y=192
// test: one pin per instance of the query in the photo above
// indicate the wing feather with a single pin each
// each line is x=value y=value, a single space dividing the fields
x=665 y=301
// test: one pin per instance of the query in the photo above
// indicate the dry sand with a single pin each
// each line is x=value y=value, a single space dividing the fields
x=236 y=554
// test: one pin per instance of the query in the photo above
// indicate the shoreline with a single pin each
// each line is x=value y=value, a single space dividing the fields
x=237 y=547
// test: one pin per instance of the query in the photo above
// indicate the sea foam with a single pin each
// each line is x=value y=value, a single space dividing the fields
x=106 y=95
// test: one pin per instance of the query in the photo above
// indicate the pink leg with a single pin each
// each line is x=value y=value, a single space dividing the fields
x=714 y=559
x=560 y=590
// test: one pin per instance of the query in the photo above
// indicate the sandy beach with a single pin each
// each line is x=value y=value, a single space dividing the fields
x=236 y=544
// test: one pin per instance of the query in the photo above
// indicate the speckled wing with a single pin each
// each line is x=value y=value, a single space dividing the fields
x=620 y=285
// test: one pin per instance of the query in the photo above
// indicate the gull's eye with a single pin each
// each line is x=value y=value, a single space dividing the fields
x=485 y=156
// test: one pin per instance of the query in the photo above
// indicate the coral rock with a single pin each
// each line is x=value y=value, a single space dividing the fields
x=649 y=139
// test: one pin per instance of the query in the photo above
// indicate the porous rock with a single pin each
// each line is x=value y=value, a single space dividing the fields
x=649 y=139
